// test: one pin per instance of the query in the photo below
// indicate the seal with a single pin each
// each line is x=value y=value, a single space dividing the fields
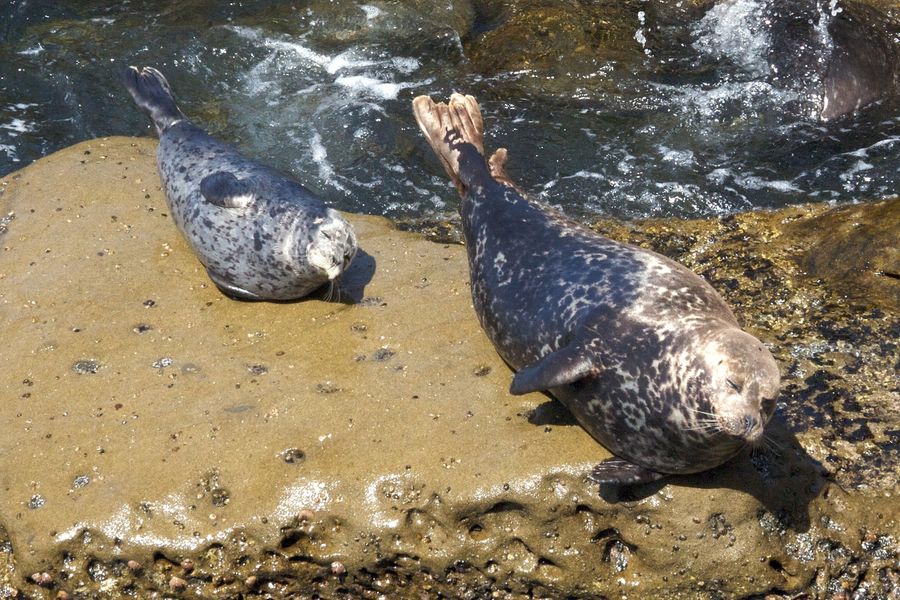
x=643 y=352
x=260 y=234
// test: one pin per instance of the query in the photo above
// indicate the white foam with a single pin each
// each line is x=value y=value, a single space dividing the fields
x=736 y=30
x=33 y=51
x=721 y=101
x=320 y=157
x=18 y=126
x=681 y=158
x=405 y=65
x=639 y=36
x=719 y=176
x=10 y=152
x=864 y=152
x=371 y=11
x=331 y=65
x=365 y=85
x=754 y=182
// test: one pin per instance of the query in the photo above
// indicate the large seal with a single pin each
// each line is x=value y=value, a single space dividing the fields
x=259 y=233
x=642 y=351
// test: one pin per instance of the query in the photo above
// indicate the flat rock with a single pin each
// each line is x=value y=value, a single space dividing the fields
x=159 y=437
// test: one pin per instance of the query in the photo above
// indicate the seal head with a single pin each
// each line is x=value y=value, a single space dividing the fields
x=643 y=352
x=260 y=234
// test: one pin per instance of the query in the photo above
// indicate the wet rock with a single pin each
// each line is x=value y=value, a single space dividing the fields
x=556 y=38
x=855 y=251
x=422 y=482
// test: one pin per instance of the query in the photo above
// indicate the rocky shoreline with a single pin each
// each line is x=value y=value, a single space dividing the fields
x=164 y=441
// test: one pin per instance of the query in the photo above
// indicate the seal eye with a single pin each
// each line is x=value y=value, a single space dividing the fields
x=735 y=386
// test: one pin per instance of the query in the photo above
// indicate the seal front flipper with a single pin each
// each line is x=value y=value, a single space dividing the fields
x=227 y=191
x=620 y=471
x=566 y=365
x=232 y=290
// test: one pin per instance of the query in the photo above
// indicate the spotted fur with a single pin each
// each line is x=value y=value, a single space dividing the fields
x=644 y=353
x=259 y=233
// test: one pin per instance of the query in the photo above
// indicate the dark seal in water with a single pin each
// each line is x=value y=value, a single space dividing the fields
x=259 y=233
x=642 y=351
x=845 y=52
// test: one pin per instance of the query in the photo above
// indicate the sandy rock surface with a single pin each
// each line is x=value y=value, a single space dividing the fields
x=159 y=437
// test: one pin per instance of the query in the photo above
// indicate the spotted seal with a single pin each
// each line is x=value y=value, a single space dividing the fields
x=259 y=233
x=643 y=352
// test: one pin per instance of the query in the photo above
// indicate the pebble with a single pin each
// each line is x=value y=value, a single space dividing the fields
x=177 y=583
x=338 y=568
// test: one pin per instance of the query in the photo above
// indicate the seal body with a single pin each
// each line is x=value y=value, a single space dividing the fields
x=260 y=234
x=644 y=353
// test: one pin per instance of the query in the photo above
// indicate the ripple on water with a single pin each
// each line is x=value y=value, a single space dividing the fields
x=698 y=124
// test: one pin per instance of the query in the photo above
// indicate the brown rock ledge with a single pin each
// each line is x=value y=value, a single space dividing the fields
x=161 y=440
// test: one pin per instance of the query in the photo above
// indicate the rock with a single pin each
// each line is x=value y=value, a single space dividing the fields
x=557 y=38
x=855 y=250
x=420 y=475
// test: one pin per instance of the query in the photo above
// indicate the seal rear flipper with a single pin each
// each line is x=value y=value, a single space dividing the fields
x=152 y=94
x=455 y=131
x=566 y=365
x=227 y=191
x=619 y=471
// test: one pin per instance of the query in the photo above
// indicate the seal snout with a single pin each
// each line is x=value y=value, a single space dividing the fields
x=333 y=246
x=746 y=426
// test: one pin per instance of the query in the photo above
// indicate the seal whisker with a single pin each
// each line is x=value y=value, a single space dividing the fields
x=711 y=427
x=334 y=292
x=771 y=444
x=701 y=412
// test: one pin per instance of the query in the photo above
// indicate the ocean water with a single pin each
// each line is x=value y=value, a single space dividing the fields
x=691 y=123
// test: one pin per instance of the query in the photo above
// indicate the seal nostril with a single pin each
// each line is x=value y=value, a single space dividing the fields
x=735 y=386
x=749 y=423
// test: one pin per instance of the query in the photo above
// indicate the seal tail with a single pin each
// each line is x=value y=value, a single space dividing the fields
x=152 y=94
x=455 y=131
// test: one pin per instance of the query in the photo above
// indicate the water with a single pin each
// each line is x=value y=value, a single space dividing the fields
x=686 y=120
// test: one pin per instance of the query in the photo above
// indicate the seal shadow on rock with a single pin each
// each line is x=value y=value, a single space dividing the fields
x=350 y=289
x=779 y=472
x=355 y=279
x=644 y=353
x=780 y=475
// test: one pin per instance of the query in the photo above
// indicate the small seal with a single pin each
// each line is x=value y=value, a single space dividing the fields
x=643 y=352
x=259 y=233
